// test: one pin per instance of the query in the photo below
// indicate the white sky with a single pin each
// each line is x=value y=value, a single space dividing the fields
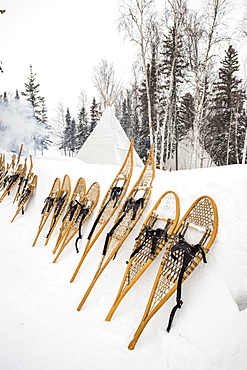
x=63 y=40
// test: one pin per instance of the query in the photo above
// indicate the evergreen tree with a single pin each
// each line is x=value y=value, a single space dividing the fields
x=185 y=115
x=5 y=98
x=124 y=116
x=17 y=96
x=95 y=114
x=172 y=70
x=32 y=94
x=41 y=136
x=82 y=128
x=44 y=135
x=70 y=134
x=227 y=120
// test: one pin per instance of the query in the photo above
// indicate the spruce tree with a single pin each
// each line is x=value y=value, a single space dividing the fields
x=37 y=102
x=44 y=136
x=69 y=134
x=17 y=96
x=82 y=128
x=95 y=113
x=227 y=121
x=172 y=70
x=124 y=116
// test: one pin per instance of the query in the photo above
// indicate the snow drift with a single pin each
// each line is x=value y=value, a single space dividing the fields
x=40 y=327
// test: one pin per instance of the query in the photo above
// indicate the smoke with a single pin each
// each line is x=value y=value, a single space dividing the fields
x=17 y=125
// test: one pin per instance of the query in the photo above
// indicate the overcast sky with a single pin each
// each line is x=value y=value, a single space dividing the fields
x=63 y=40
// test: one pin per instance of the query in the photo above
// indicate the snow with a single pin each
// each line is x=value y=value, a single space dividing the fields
x=40 y=326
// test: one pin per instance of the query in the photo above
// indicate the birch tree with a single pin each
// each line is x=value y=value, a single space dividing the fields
x=106 y=82
x=137 y=18
x=58 y=124
x=203 y=34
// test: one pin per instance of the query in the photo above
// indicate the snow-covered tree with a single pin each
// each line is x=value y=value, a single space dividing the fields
x=70 y=134
x=31 y=93
x=227 y=121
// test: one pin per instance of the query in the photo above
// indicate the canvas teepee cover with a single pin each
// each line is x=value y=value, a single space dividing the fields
x=108 y=143
x=203 y=159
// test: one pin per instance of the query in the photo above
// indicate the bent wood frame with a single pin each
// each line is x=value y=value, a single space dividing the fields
x=201 y=215
x=55 y=189
x=167 y=210
x=64 y=191
x=144 y=184
x=124 y=175
x=20 y=171
x=90 y=200
x=26 y=195
x=77 y=195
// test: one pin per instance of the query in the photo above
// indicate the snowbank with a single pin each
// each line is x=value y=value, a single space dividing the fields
x=40 y=327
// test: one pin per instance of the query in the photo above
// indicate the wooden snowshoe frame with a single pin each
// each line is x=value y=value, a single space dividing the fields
x=122 y=178
x=164 y=215
x=13 y=179
x=77 y=196
x=23 y=181
x=26 y=195
x=65 y=193
x=199 y=225
x=143 y=185
x=110 y=205
x=89 y=201
x=45 y=213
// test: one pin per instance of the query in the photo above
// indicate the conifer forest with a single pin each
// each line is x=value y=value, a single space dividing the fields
x=188 y=84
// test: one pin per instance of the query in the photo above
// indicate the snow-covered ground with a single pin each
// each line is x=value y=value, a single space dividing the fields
x=40 y=326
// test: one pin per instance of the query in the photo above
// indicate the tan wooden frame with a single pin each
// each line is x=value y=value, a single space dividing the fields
x=91 y=198
x=55 y=189
x=65 y=188
x=124 y=174
x=78 y=193
x=166 y=280
x=139 y=263
x=144 y=183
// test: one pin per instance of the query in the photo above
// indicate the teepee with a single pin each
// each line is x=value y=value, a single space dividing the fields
x=203 y=159
x=107 y=143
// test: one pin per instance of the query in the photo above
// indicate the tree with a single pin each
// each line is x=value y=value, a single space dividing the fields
x=172 y=72
x=41 y=136
x=59 y=124
x=82 y=128
x=227 y=122
x=94 y=115
x=45 y=134
x=70 y=134
x=104 y=78
x=137 y=18
x=32 y=94
x=202 y=38
x=17 y=96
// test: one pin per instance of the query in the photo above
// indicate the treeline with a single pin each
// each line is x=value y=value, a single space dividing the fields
x=186 y=86
x=186 y=82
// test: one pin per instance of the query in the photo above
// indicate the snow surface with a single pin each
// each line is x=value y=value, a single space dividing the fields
x=40 y=326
